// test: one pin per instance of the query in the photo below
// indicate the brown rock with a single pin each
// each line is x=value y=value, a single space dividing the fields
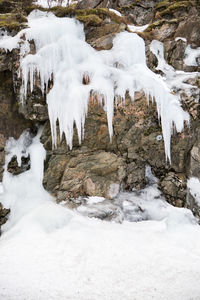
x=92 y=174
x=189 y=29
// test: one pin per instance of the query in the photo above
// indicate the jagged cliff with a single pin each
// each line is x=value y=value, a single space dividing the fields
x=99 y=167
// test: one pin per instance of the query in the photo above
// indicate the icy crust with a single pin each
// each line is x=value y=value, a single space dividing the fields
x=191 y=56
x=63 y=56
x=52 y=3
x=193 y=185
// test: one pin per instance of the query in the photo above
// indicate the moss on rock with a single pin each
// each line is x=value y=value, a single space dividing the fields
x=12 y=22
x=90 y=20
x=176 y=6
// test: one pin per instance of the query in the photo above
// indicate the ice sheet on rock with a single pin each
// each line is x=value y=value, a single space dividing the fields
x=52 y=3
x=173 y=78
x=191 y=55
x=63 y=56
x=193 y=185
x=115 y=11
x=135 y=28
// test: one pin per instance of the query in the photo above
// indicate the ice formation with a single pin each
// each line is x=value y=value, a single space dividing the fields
x=51 y=3
x=193 y=185
x=134 y=28
x=191 y=56
x=173 y=78
x=62 y=55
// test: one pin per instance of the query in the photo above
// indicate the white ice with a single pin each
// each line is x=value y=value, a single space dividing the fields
x=52 y=3
x=50 y=252
x=191 y=55
x=193 y=185
x=174 y=79
x=115 y=11
x=135 y=28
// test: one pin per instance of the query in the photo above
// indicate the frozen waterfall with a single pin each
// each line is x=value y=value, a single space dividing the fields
x=62 y=55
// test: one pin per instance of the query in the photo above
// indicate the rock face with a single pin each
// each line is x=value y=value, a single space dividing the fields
x=100 y=167
x=3 y=215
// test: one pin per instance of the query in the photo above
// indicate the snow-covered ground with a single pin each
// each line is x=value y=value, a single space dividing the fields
x=87 y=259
x=50 y=252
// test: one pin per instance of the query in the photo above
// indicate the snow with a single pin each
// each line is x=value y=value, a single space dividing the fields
x=50 y=252
x=191 y=55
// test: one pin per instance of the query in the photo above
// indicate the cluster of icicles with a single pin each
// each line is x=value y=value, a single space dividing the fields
x=63 y=54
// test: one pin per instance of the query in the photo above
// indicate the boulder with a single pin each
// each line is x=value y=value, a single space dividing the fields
x=91 y=174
